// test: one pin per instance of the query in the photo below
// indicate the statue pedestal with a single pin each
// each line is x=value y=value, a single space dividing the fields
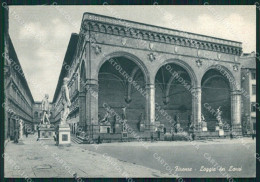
x=204 y=126
x=105 y=129
x=217 y=128
x=221 y=132
x=63 y=137
x=118 y=128
x=45 y=132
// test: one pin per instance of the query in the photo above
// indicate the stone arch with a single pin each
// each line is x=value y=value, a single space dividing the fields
x=129 y=56
x=211 y=99
x=185 y=66
x=226 y=73
x=183 y=106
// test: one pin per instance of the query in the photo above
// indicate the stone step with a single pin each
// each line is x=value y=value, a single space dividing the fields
x=76 y=140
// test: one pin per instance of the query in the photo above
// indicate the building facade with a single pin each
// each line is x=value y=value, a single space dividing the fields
x=151 y=76
x=248 y=81
x=18 y=98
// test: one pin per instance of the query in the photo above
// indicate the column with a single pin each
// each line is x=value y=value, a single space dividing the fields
x=92 y=108
x=196 y=107
x=82 y=111
x=236 y=112
x=150 y=107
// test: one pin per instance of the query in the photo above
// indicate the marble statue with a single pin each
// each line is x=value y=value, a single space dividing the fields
x=124 y=112
x=20 y=129
x=219 y=112
x=65 y=100
x=202 y=118
x=177 y=118
x=105 y=119
x=141 y=117
x=45 y=110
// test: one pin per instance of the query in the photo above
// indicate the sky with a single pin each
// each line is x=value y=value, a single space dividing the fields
x=40 y=34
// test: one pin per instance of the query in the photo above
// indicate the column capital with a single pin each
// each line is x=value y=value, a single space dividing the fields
x=235 y=92
x=91 y=82
x=196 y=88
x=149 y=86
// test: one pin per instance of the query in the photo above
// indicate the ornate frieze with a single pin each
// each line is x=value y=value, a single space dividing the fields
x=161 y=37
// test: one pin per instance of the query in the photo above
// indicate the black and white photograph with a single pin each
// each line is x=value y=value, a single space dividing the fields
x=130 y=91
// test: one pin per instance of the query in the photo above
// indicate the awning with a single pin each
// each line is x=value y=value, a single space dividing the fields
x=73 y=120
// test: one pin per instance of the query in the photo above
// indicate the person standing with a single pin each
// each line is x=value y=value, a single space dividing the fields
x=16 y=135
x=26 y=133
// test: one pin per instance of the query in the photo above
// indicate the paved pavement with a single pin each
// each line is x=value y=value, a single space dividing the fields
x=35 y=159
x=158 y=159
x=198 y=155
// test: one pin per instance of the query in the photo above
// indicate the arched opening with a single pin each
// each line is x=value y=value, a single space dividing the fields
x=216 y=94
x=173 y=98
x=121 y=85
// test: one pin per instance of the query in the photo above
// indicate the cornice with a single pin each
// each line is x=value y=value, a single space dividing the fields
x=148 y=35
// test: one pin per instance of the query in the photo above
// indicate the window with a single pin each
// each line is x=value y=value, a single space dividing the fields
x=253 y=89
x=253 y=107
x=253 y=75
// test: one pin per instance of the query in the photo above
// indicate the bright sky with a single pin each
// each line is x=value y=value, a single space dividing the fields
x=41 y=34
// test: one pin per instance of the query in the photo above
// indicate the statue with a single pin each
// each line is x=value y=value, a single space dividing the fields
x=177 y=118
x=203 y=123
x=202 y=118
x=105 y=119
x=45 y=110
x=20 y=129
x=189 y=120
x=65 y=100
x=124 y=113
x=219 y=112
x=141 y=117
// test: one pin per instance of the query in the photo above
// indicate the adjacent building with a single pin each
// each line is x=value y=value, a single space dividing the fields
x=248 y=83
x=18 y=98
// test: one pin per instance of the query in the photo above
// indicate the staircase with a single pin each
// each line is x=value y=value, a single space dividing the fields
x=76 y=140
